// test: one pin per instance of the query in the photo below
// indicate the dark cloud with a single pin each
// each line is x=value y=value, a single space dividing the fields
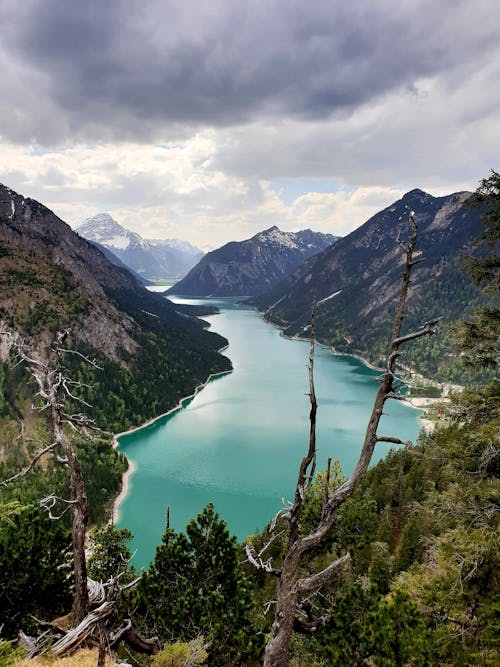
x=124 y=69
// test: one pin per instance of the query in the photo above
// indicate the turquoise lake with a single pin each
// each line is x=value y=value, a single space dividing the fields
x=238 y=443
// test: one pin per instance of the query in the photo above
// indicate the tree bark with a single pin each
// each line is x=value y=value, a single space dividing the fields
x=80 y=515
x=276 y=653
x=290 y=586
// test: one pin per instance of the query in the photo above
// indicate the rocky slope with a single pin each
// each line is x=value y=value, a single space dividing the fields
x=355 y=283
x=52 y=279
x=247 y=268
x=152 y=259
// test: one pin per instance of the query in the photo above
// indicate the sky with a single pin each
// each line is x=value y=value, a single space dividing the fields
x=212 y=120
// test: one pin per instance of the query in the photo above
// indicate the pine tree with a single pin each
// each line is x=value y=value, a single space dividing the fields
x=479 y=336
x=194 y=587
x=34 y=564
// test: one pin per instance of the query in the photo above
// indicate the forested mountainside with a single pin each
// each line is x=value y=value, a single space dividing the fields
x=420 y=588
x=54 y=279
x=152 y=259
x=354 y=283
x=149 y=355
x=246 y=268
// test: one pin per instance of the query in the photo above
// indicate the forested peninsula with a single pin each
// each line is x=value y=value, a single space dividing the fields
x=411 y=553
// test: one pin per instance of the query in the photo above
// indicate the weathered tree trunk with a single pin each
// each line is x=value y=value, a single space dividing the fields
x=80 y=515
x=292 y=588
x=276 y=653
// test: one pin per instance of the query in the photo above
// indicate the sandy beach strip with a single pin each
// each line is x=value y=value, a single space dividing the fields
x=421 y=403
x=115 y=515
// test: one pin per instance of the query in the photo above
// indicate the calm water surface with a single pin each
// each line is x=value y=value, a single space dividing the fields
x=239 y=442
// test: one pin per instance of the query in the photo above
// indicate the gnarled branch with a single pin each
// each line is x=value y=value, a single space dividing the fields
x=308 y=584
x=31 y=465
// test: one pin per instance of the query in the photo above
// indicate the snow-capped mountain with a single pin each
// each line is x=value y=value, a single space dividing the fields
x=153 y=259
x=247 y=268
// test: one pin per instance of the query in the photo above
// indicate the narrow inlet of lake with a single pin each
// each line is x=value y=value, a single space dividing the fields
x=238 y=443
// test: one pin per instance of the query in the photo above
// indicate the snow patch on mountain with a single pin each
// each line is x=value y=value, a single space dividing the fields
x=155 y=259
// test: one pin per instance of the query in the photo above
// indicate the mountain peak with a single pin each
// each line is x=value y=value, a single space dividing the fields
x=416 y=194
x=101 y=222
x=104 y=229
x=161 y=259
x=245 y=268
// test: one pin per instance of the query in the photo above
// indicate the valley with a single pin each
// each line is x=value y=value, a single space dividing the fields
x=238 y=441
x=215 y=470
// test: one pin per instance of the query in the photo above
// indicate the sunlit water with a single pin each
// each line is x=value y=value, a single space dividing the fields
x=238 y=443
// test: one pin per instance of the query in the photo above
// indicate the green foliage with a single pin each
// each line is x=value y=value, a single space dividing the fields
x=102 y=468
x=33 y=570
x=10 y=654
x=182 y=654
x=17 y=277
x=479 y=335
x=366 y=628
x=485 y=270
x=110 y=555
x=9 y=510
x=194 y=585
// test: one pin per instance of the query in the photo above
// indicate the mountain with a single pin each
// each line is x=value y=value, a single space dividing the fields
x=355 y=283
x=152 y=259
x=247 y=268
x=118 y=262
x=51 y=278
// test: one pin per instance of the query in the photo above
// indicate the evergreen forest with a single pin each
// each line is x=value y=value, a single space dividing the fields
x=422 y=586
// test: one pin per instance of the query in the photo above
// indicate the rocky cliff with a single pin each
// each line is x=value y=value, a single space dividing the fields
x=249 y=267
x=355 y=283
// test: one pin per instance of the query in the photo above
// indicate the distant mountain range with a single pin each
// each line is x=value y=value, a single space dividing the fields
x=152 y=259
x=247 y=268
x=355 y=283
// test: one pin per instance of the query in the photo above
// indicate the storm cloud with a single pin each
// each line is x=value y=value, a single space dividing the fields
x=128 y=70
x=212 y=120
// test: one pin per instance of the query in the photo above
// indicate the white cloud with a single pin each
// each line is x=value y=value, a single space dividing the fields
x=340 y=212
x=436 y=128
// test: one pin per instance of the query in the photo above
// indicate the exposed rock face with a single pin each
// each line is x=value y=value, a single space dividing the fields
x=50 y=274
x=249 y=267
x=152 y=259
x=355 y=283
x=31 y=230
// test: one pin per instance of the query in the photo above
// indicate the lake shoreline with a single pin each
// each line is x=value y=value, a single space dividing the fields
x=425 y=424
x=416 y=403
x=115 y=514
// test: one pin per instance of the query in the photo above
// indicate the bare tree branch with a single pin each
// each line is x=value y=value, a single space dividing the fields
x=290 y=584
x=388 y=438
x=29 y=468
x=256 y=558
x=315 y=581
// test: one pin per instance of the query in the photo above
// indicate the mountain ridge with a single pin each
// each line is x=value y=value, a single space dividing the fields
x=152 y=353
x=355 y=283
x=246 y=268
x=152 y=259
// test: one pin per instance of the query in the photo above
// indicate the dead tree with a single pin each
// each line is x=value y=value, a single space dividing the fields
x=54 y=390
x=94 y=603
x=293 y=587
